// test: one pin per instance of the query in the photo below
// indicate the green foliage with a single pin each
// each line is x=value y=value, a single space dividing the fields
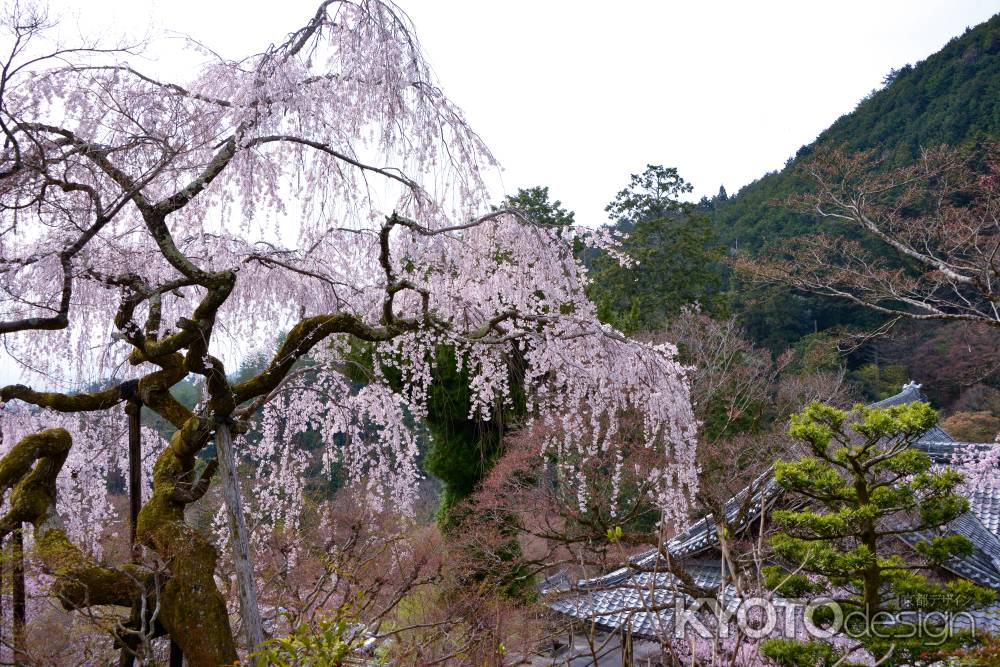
x=462 y=450
x=865 y=483
x=880 y=381
x=788 y=584
x=534 y=203
x=327 y=642
x=953 y=97
x=672 y=243
x=777 y=318
x=792 y=653
x=816 y=353
x=256 y=363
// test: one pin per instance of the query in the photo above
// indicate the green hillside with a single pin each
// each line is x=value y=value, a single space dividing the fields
x=952 y=97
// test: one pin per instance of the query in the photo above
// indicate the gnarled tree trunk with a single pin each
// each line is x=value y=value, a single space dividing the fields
x=192 y=609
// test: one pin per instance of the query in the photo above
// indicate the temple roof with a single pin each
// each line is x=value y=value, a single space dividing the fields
x=639 y=597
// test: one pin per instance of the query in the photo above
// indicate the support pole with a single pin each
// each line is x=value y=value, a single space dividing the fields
x=253 y=625
x=134 y=411
x=19 y=601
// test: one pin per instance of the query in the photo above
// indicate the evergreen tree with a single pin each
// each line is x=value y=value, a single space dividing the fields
x=671 y=241
x=866 y=485
x=534 y=202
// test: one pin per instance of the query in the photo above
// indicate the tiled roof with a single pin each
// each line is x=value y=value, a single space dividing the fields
x=981 y=566
x=639 y=598
x=643 y=603
x=986 y=506
x=910 y=393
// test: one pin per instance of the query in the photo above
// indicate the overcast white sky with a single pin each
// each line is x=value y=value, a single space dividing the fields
x=578 y=95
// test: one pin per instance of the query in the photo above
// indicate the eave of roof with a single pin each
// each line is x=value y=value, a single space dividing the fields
x=595 y=599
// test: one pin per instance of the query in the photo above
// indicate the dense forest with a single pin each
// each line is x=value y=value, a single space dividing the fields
x=951 y=98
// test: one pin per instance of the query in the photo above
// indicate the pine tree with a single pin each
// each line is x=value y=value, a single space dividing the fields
x=866 y=485
x=674 y=251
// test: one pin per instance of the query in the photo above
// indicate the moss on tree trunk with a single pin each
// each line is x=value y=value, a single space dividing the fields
x=192 y=609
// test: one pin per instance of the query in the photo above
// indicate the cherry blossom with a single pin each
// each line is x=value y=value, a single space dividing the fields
x=321 y=192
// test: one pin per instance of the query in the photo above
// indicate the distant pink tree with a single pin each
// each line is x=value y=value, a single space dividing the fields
x=323 y=189
x=981 y=466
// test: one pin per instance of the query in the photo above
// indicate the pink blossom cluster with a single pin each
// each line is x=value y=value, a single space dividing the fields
x=99 y=453
x=332 y=176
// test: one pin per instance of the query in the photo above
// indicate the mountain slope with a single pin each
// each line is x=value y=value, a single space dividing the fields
x=952 y=97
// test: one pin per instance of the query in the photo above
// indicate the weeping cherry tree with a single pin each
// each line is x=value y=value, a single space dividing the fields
x=307 y=198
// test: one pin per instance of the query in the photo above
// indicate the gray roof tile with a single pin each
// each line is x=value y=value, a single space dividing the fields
x=639 y=597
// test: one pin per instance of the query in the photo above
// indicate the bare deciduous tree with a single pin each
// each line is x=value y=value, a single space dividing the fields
x=920 y=242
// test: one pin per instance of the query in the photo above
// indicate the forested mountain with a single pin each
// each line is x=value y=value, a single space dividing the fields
x=952 y=97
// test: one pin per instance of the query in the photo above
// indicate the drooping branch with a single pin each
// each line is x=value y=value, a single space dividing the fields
x=102 y=216
x=181 y=198
x=299 y=341
x=167 y=86
x=98 y=154
x=390 y=173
